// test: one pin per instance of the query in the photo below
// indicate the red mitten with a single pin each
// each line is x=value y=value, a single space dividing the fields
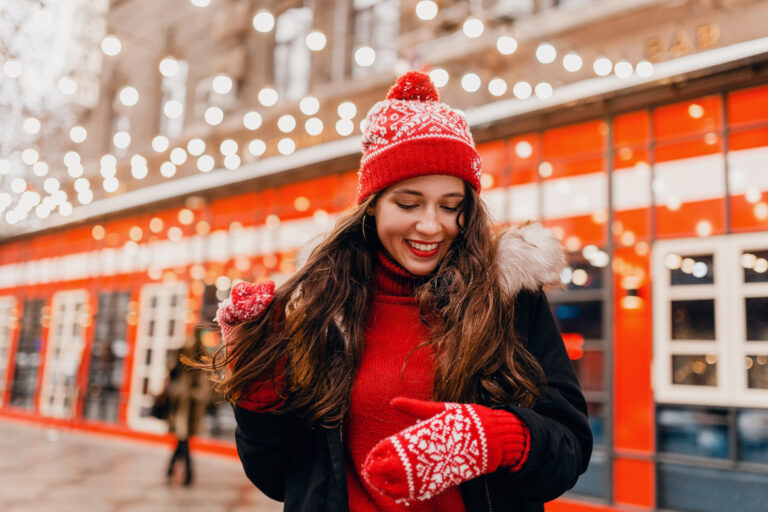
x=246 y=302
x=457 y=442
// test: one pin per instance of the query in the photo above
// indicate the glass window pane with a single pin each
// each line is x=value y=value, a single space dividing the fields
x=699 y=489
x=752 y=427
x=582 y=317
x=27 y=360
x=596 y=411
x=594 y=481
x=701 y=432
x=755 y=264
x=693 y=319
x=756 y=309
x=757 y=371
x=693 y=270
x=589 y=369
x=694 y=370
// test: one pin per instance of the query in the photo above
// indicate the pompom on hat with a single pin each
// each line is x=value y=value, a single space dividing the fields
x=412 y=134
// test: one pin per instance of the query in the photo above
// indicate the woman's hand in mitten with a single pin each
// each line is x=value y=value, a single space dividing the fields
x=454 y=443
x=246 y=302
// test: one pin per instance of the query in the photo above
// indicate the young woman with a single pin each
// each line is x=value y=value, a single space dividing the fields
x=412 y=363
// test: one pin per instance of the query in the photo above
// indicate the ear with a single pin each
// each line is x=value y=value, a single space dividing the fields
x=369 y=211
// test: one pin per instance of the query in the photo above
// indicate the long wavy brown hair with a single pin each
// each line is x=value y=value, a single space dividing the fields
x=315 y=324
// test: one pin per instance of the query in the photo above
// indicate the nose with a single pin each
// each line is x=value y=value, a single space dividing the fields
x=427 y=224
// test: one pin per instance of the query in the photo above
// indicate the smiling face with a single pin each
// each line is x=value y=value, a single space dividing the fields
x=416 y=220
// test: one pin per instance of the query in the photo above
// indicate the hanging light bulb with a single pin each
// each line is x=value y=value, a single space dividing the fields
x=169 y=67
x=214 y=116
x=546 y=53
x=426 y=10
x=205 y=163
x=439 y=77
x=31 y=125
x=268 y=96
x=111 y=45
x=470 y=82
x=252 y=120
x=522 y=90
x=257 y=147
x=497 y=87
x=309 y=105
x=602 y=66
x=543 y=90
x=286 y=146
x=160 y=143
x=129 y=96
x=67 y=85
x=78 y=134
x=313 y=126
x=473 y=28
x=365 y=56
x=315 y=41
x=506 y=45
x=222 y=84
x=196 y=147
x=173 y=109
x=263 y=21
x=347 y=110
x=12 y=69
x=228 y=147
x=286 y=123
x=572 y=62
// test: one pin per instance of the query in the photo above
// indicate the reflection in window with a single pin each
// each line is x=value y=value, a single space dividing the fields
x=582 y=317
x=755 y=264
x=694 y=370
x=691 y=269
x=596 y=412
x=703 y=489
x=105 y=376
x=27 y=359
x=589 y=370
x=757 y=371
x=700 y=432
x=594 y=481
x=756 y=309
x=752 y=427
x=693 y=319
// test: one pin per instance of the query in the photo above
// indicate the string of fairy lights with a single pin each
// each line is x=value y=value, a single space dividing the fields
x=45 y=194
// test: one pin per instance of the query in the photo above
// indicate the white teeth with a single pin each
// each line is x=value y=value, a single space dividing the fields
x=423 y=247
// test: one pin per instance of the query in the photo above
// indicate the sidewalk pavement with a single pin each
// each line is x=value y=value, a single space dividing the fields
x=42 y=470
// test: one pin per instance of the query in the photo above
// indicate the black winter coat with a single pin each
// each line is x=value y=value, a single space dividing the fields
x=304 y=467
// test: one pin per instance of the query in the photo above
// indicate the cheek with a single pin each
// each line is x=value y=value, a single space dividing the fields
x=392 y=225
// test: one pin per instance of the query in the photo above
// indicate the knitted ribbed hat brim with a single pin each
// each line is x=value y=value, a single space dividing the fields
x=414 y=158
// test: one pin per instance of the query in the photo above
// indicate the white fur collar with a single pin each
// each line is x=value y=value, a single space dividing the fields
x=529 y=257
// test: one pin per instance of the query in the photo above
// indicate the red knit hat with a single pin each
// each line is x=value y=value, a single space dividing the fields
x=412 y=134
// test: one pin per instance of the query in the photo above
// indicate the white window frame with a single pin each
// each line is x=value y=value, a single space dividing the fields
x=730 y=344
x=8 y=305
x=63 y=354
x=291 y=58
x=160 y=343
x=382 y=36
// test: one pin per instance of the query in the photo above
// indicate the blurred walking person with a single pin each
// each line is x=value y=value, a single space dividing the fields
x=189 y=394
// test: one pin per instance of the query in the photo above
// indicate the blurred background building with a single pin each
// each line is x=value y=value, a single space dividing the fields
x=154 y=153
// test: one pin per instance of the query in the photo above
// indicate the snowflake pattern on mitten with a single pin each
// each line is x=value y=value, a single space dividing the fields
x=433 y=455
x=246 y=302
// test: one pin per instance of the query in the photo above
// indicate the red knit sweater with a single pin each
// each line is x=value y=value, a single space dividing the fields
x=393 y=329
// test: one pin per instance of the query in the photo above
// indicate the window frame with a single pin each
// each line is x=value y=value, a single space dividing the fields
x=728 y=292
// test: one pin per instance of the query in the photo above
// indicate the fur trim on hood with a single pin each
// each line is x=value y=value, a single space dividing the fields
x=529 y=257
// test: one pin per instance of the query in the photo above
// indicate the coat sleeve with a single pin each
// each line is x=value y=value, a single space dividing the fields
x=268 y=445
x=561 y=439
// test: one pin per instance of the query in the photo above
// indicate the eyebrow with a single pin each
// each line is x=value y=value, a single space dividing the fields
x=417 y=193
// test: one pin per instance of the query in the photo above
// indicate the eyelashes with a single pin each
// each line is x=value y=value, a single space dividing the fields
x=408 y=207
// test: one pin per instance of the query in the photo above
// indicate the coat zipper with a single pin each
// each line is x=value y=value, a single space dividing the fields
x=487 y=494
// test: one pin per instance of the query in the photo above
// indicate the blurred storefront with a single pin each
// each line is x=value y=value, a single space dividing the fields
x=637 y=130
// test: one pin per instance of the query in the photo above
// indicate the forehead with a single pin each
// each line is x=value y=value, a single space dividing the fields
x=433 y=185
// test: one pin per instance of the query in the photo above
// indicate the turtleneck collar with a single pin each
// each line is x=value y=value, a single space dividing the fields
x=391 y=279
